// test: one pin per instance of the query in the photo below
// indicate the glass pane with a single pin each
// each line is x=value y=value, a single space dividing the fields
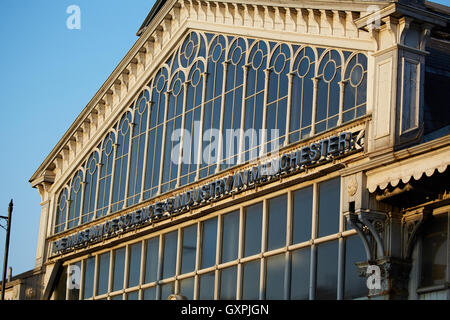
x=119 y=268
x=301 y=262
x=73 y=281
x=103 y=273
x=355 y=287
x=170 y=254
x=253 y=228
x=150 y=293
x=209 y=240
x=189 y=249
x=134 y=272
x=187 y=288
x=302 y=215
x=230 y=236
x=133 y=295
x=250 y=282
x=228 y=283
x=89 y=270
x=434 y=252
x=167 y=290
x=277 y=223
x=275 y=277
x=119 y=297
x=151 y=261
x=327 y=266
x=206 y=286
x=329 y=203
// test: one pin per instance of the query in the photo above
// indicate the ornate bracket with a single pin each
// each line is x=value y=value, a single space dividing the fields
x=413 y=224
x=370 y=225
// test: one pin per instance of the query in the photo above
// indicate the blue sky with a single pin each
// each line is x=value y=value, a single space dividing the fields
x=49 y=74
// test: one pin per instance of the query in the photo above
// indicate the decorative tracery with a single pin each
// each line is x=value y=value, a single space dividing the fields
x=210 y=84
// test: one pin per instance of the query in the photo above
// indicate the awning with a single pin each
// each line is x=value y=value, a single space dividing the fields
x=413 y=167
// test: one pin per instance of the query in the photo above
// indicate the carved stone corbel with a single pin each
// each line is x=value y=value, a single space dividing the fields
x=413 y=224
x=370 y=226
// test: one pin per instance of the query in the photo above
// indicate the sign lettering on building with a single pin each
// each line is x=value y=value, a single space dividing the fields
x=269 y=170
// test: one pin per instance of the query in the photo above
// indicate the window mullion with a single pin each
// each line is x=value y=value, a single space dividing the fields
x=183 y=126
x=147 y=134
x=83 y=191
x=222 y=117
x=341 y=101
x=314 y=105
x=202 y=120
x=160 y=267
x=263 y=137
x=129 y=156
x=113 y=176
x=163 y=141
x=290 y=77
x=244 y=98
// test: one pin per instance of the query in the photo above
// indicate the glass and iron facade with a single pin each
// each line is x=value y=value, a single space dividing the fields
x=215 y=89
x=236 y=86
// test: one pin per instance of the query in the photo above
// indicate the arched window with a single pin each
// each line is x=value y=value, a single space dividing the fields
x=277 y=98
x=90 y=190
x=61 y=211
x=192 y=119
x=155 y=133
x=76 y=190
x=236 y=57
x=254 y=99
x=328 y=94
x=141 y=107
x=213 y=106
x=173 y=123
x=355 y=81
x=106 y=166
x=121 y=162
x=303 y=71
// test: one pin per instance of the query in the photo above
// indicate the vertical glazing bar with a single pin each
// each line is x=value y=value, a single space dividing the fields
x=111 y=270
x=263 y=142
x=341 y=259
x=178 y=262
x=127 y=267
x=341 y=268
x=83 y=272
x=314 y=105
x=183 y=126
x=288 y=108
x=160 y=267
x=341 y=102
x=222 y=115
x=97 y=187
x=96 y=273
x=197 y=264
x=83 y=191
x=113 y=170
x=240 y=270
x=202 y=120
x=141 y=278
x=312 y=283
x=244 y=98
x=163 y=144
x=130 y=145
x=147 y=134
x=287 y=269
